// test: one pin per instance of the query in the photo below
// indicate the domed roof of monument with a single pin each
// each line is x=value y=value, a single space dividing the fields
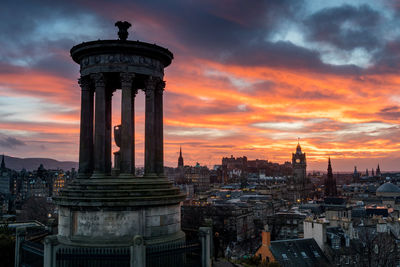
x=388 y=188
x=121 y=46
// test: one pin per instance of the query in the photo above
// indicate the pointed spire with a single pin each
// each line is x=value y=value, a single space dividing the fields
x=378 y=170
x=330 y=183
x=329 y=167
x=180 y=159
x=356 y=175
x=298 y=148
x=3 y=164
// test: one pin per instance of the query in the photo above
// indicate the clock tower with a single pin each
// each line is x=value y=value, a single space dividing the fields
x=299 y=165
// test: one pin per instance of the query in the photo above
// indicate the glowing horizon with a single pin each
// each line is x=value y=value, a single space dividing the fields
x=248 y=79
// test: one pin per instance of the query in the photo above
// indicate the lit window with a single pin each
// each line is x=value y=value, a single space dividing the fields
x=316 y=254
x=284 y=256
x=304 y=255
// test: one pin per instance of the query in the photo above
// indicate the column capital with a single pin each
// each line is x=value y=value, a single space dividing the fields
x=99 y=79
x=126 y=77
x=153 y=84
x=160 y=87
x=84 y=82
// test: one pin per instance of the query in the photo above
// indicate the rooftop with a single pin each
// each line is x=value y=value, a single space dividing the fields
x=298 y=252
x=388 y=188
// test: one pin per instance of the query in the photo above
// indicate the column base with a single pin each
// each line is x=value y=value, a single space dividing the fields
x=115 y=172
x=100 y=175
x=126 y=175
x=84 y=175
x=150 y=175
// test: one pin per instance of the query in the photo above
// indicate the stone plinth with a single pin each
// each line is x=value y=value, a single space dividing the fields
x=105 y=211
x=119 y=227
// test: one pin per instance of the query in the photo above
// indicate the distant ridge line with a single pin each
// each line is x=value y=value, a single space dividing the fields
x=31 y=164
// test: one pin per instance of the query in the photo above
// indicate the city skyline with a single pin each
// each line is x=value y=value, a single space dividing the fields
x=247 y=80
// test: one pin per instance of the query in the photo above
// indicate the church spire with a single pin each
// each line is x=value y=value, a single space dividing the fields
x=356 y=175
x=3 y=164
x=329 y=168
x=330 y=183
x=180 y=159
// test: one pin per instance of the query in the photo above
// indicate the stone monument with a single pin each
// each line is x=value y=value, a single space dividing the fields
x=109 y=207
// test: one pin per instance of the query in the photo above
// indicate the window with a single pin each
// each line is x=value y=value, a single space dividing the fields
x=304 y=255
x=284 y=256
x=336 y=243
x=316 y=254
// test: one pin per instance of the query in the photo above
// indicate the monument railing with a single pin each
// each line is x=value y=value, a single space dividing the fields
x=195 y=253
x=31 y=254
x=96 y=257
x=183 y=254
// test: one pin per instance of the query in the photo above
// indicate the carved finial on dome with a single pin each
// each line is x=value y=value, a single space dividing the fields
x=123 y=27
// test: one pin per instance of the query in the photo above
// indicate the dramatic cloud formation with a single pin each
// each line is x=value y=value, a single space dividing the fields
x=10 y=142
x=248 y=78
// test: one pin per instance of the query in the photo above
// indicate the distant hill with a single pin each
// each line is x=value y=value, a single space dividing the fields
x=33 y=163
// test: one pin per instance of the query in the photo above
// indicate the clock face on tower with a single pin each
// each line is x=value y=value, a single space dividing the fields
x=297 y=160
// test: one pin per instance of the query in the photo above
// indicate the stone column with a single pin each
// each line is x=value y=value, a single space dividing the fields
x=19 y=238
x=86 y=133
x=205 y=238
x=127 y=124
x=158 y=128
x=102 y=137
x=109 y=130
x=149 y=149
x=50 y=243
x=138 y=252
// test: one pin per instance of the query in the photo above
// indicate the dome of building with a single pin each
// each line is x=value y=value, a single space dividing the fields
x=388 y=189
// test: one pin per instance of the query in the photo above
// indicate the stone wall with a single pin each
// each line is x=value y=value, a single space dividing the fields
x=149 y=222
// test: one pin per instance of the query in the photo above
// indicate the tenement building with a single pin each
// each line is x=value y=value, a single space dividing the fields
x=109 y=208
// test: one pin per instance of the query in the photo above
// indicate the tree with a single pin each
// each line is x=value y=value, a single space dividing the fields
x=7 y=246
x=378 y=249
x=36 y=208
x=385 y=250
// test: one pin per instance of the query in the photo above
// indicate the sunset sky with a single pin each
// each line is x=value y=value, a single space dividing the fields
x=248 y=78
